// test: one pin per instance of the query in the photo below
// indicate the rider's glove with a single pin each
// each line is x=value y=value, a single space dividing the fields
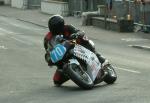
x=77 y=35
x=74 y=36
x=48 y=60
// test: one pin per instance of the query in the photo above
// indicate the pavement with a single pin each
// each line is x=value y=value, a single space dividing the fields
x=36 y=17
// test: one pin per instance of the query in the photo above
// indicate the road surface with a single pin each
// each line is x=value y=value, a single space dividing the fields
x=26 y=78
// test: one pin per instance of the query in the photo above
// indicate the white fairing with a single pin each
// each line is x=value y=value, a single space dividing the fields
x=92 y=43
x=74 y=61
x=90 y=58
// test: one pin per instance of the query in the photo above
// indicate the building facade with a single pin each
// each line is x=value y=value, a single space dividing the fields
x=139 y=11
x=84 y=5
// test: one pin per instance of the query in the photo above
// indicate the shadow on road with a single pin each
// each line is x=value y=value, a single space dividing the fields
x=75 y=88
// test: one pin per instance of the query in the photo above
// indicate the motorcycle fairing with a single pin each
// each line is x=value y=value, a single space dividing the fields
x=74 y=61
x=90 y=58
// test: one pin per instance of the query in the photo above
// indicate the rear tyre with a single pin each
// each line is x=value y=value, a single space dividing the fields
x=79 y=76
x=111 y=75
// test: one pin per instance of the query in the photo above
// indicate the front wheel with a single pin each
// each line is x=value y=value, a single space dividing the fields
x=79 y=76
x=111 y=75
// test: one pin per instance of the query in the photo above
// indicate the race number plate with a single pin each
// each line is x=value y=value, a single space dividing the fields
x=57 y=53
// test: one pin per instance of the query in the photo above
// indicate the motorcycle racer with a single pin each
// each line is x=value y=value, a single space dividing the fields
x=57 y=26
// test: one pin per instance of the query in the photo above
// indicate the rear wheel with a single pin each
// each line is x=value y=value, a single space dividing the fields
x=111 y=75
x=79 y=76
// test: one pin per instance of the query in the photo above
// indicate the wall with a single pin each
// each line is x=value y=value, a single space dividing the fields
x=34 y=4
x=19 y=3
x=54 y=7
x=77 y=5
x=7 y=2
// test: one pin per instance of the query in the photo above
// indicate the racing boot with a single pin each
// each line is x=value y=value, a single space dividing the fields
x=101 y=74
x=59 y=77
x=101 y=59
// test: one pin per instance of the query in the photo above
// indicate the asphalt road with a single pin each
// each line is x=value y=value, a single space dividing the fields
x=26 y=78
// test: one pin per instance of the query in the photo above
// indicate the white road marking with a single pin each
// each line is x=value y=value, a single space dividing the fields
x=129 y=70
x=13 y=36
x=7 y=31
x=140 y=46
x=133 y=39
x=19 y=40
x=3 y=47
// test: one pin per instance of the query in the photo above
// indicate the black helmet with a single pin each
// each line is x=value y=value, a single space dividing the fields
x=56 y=24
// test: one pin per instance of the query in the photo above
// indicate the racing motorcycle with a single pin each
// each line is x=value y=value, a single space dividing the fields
x=82 y=65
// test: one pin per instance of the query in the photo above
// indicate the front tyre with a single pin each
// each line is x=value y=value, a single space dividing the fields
x=111 y=75
x=79 y=76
